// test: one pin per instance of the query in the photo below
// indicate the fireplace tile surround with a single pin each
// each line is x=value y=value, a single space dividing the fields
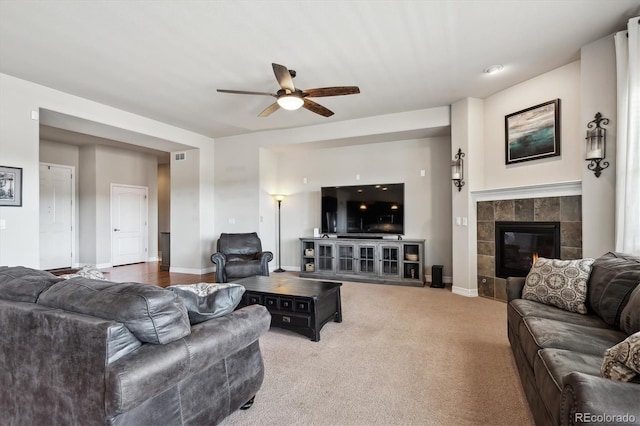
x=564 y=209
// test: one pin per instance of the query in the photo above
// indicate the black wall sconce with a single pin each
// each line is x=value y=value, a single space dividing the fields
x=596 y=144
x=457 y=170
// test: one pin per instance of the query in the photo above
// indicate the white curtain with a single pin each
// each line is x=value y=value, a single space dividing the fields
x=628 y=140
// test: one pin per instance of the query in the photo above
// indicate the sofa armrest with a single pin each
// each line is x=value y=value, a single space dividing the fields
x=152 y=369
x=514 y=288
x=593 y=400
x=265 y=257
x=219 y=259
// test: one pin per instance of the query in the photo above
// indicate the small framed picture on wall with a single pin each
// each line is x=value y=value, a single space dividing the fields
x=10 y=186
x=533 y=133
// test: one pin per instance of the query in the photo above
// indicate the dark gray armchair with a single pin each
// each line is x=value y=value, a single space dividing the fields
x=239 y=256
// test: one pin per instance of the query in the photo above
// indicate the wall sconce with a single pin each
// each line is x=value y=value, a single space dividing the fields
x=596 y=144
x=457 y=170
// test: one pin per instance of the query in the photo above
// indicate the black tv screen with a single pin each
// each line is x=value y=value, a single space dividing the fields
x=363 y=209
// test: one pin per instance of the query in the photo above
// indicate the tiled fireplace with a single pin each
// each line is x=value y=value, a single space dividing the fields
x=529 y=222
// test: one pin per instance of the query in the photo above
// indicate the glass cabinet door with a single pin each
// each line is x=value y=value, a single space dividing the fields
x=366 y=259
x=389 y=260
x=345 y=258
x=325 y=257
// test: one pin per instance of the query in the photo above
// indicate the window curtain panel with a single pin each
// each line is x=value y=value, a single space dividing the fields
x=627 y=45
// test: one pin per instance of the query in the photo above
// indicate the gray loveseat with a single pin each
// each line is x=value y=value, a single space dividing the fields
x=559 y=353
x=89 y=352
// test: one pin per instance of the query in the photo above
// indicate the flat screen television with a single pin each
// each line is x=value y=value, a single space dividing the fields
x=363 y=209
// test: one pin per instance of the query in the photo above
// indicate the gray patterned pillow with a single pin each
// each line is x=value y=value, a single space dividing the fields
x=208 y=300
x=87 y=271
x=560 y=283
x=622 y=361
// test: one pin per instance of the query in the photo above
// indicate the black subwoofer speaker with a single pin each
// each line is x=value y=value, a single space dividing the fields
x=436 y=276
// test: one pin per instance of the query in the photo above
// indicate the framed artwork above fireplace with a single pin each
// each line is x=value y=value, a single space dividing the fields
x=533 y=133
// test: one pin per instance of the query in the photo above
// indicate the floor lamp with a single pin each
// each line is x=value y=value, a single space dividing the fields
x=279 y=198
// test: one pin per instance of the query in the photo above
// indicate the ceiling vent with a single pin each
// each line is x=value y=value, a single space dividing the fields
x=181 y=156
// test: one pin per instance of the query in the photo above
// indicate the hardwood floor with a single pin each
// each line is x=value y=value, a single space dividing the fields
x=149 y=272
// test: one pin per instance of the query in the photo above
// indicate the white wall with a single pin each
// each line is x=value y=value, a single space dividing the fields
x=19 y=147
x=268 y=219
x=97 y=167
x=598 y=85
x=87 y=190
x=562 y=83
x=584 y=87
x=119 y=166
x=467 y=124
x=248 y=168
x=427 y=199
x=185 y=208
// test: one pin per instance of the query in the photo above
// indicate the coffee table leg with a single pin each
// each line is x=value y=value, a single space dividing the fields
x=338 y=317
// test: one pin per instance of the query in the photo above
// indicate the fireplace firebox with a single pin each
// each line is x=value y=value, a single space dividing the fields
x=519 y=244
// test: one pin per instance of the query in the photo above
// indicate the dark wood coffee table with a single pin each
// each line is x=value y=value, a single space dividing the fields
x=303 y=306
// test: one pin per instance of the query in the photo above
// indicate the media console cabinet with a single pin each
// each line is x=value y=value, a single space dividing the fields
x=373 y=260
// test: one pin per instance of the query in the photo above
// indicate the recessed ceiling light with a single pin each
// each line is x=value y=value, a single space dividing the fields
x=492 y=68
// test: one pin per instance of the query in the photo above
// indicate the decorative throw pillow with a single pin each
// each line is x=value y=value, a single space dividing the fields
x=560 y=283
x=622 y=361
x=206 y=300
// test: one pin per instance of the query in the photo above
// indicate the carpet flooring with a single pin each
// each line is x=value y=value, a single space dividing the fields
x=401 y=356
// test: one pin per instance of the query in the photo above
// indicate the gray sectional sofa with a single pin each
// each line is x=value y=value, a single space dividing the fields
x=89 y=352
x=559 y=354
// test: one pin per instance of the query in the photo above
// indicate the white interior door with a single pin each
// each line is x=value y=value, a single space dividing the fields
x=128 y=224
x=56 y=216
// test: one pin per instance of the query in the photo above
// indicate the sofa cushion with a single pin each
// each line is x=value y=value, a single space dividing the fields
x=243 y=269
x=613 y=277
x=24 y=284
x=521 y=308
x=151 y=313
x=622 y=361
x=540 y=333
x=560 y=283
x=552 y=365
x=630 y=316
x=205 y=300
x=120 y=342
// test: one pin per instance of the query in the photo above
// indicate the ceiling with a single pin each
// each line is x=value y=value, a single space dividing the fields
x=165 y=59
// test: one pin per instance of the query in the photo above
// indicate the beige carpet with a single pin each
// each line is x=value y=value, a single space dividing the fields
x=401 y=356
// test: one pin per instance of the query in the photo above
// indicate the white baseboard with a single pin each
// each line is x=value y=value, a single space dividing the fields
x=104 y=265
x=468 y=292
x=153 y=259
x=193 y=271
x=286 y=268
x=209 y=270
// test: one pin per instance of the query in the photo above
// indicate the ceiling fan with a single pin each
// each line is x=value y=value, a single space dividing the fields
x=290 y=98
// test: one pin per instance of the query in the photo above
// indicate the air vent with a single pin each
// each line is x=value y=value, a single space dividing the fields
x=181 y=156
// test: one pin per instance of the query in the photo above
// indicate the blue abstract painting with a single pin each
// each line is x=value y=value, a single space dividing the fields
x=532 y=133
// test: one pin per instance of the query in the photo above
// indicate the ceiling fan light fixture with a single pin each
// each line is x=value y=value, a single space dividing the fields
x=290 y=102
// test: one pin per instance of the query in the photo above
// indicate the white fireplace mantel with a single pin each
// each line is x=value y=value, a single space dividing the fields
x=558 y=189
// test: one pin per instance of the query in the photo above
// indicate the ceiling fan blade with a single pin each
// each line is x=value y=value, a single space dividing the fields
x=269 y=110
x=244 y=92
x=331 y=91
x=284 y=77
x=317 y=108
